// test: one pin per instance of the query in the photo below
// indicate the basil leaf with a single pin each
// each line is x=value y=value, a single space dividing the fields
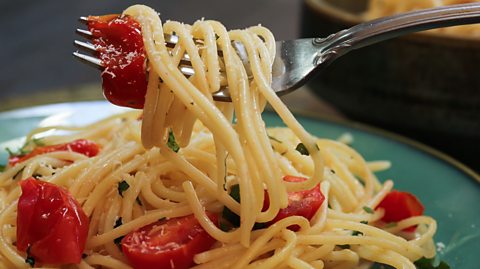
x=302 y=149
x=227 y=214
x=30 y=260
x=171 y=143
x=368 y=210
x=139 y=202
x=122 y=186
x=425 y=263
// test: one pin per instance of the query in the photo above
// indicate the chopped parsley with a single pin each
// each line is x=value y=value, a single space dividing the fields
x=122 y=186
x=425 y=263
x=274 y=139
x=368 y=210
x=422 y=263
x=118 y=223
x=356 y=233
x=38 y=142
x=30 y=260
x=171 y=143
x=390 y=225
x=232 y=218
x=302 y=149
x=25 y=148
x=364 y=222
x=227 y=214
x=139 y=202
x=118 y=240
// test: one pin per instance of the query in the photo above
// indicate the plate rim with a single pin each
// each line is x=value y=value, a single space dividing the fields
x=436 y=153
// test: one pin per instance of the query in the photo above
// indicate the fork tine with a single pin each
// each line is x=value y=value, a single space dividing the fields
x=83 y=19
x=85 y=45
x=84 y=33
x=89 y=60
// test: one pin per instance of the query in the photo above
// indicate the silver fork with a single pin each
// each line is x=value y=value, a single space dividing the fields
x=298 y=60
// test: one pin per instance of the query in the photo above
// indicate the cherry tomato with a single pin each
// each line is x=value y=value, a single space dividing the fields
x=82 y=146
x=400 y=205
x=167 y=243
x=51 y=225
x=302 y=203
x=119 y=44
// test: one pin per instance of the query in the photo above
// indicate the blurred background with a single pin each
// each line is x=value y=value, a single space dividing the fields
x=423 y=86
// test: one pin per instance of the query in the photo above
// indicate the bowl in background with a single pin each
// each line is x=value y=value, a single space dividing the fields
x=424 y=85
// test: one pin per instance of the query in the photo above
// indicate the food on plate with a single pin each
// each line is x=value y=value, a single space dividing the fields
x=381 y=8
x=191 y=182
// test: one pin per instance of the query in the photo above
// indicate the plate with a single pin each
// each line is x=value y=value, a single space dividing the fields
x=449 y=190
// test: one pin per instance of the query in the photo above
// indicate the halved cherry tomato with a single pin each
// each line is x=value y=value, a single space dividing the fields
x=167 y=244
x=119 y=43
x=50 y=223
x=82 y=146
x=400 y=205
x=302 y=203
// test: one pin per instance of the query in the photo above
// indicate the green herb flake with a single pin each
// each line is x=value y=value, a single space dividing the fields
x=390 y=225
x=364 y=222
x=368 y=210
x=302 y=149
x=10 y=152
x=171 y=143
x=30 y=260
x=274 y=139
x=118 y=240
x=139 y=202
x=2 y=167
x=227 y=214
x=356 y=233
x=425 y=263
x=38 y=142
x=122 y=186
x=118 y=223
x=224 y=226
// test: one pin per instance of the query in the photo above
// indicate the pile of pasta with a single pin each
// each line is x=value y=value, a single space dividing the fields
x=219 y=145
x=381 y=8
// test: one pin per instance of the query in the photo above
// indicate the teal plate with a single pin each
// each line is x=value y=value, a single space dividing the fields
x=449 y=190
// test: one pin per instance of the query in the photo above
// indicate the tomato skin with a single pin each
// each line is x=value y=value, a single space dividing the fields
x=400 y=205
x=302 y=203
x=120 y=46
x=50 y=223
x=172 y=245
x=82 y=146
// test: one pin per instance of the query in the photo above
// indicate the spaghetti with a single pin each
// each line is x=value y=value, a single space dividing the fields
x=187 y=153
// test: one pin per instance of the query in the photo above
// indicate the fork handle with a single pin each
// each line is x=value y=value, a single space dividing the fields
x=374 y=31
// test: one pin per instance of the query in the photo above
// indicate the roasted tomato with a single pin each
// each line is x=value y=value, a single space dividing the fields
x=119 y=42
x=302 y=203
x=51 y=225
x=82 y=146
x=167 y=243
x=400 y=205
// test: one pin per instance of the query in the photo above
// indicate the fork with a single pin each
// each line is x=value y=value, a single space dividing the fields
x=298 y=60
